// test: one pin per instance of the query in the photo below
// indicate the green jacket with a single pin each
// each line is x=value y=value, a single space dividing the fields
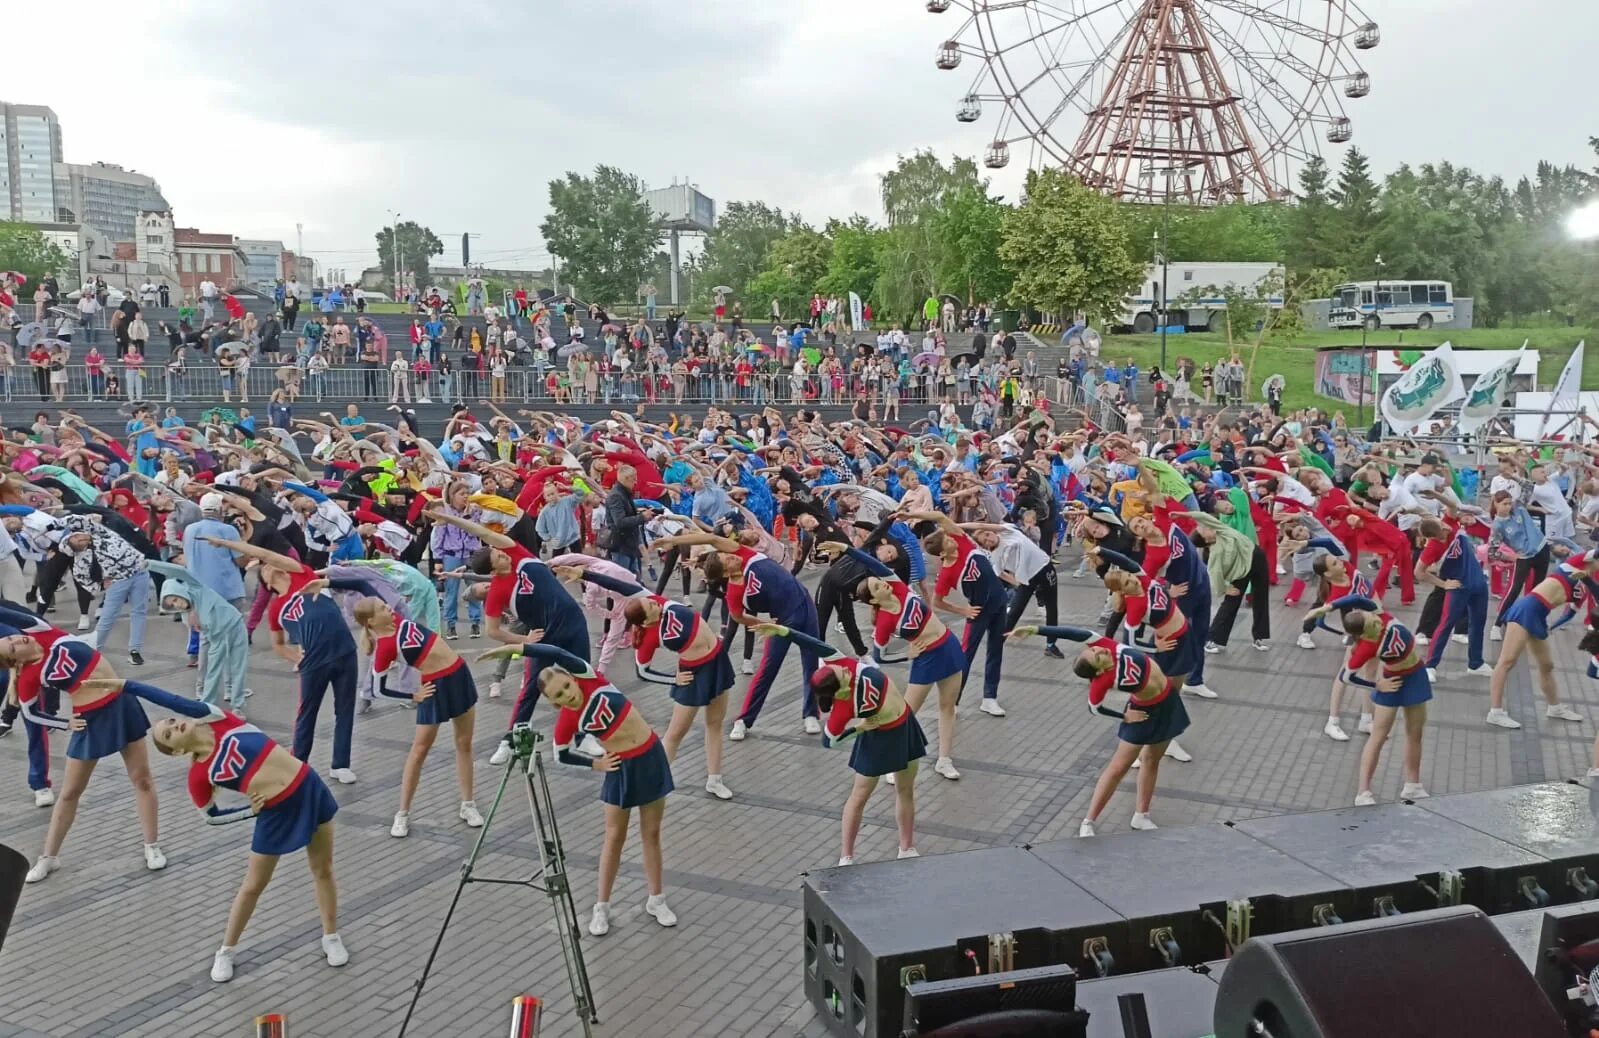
x=1231 y=557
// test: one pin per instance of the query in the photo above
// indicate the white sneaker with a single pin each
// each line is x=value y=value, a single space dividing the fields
x=1414 y=791
x=655 y=905
x=222 y=966
x=1483 y=671
x=946 y=767
x=891 y=778
x=747 y=667
x=1212 y=648
x=154 y=860
x=600 y=921
x=1363 y=726
x=1459 y=639
x=494 y=690
x=1593 y=772
x=845 y=861
x=44 y=797
x=1086 y=829
x=1365 y=799
x=470 y=814
x=992 y=708
x=909 y=852
x=1280 y=571
x=1562 y=712
x=1201 y=690
x=1262 y=645
x=343 y=776
x=1305 y=641
x=501 y=755
x=1334 y=731
x=1142 y=821
x=1500 y=719
x=1422 y=639
x=1175 y=751
x=333 y=948
x=1432 y=675
x=46 y=864
x=402 y=825
x=1497 y=634
x=717 y=788
x=85 y=623
x=738 y=732
x=813 y=726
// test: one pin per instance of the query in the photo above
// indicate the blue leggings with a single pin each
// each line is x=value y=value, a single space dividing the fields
x=990 y=622
x=772 y=656
x=314 y=684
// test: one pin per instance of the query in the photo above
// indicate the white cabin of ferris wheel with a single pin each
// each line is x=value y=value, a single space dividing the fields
x=1201 y=101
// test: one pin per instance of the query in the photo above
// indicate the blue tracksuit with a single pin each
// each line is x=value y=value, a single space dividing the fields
x=1469 y=601
x=769 y=588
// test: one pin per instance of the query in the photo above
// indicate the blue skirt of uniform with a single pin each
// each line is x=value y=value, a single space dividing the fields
x=1184 y=659
x=711 y=679
x=111 y=729
x=1167 y=720
x=453 y=695
x=288 y=826
x=1530 y=613
x=887 y=751
x=1414 y=690
x=639 y=780
x=939 y=662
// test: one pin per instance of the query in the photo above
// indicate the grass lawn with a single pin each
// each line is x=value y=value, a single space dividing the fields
x=1297 y=363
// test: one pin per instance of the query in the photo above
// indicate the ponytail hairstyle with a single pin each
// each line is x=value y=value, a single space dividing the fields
x=364 y=611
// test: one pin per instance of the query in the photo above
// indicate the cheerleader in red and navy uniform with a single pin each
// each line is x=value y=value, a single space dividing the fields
x=964 y=563
x=290 y=803
x=1402 y=684
x=935 y=655
x=447 y=694
x=1527 y=629
x=1344 y=588
x=51 y=665
x=637 y=773
x=863 y=705
x=704 y=673
x=1589 y=646
x=1125 y=683
x=1152 y=622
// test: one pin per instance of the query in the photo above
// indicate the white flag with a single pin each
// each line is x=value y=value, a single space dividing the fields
x=1567 y=392
x=856 y=320
x=1430 y=383
x=1488 y=394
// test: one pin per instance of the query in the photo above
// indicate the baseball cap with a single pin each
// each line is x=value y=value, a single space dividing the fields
x=212 y=502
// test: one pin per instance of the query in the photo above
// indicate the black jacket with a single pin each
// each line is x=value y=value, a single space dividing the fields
x=625 y=521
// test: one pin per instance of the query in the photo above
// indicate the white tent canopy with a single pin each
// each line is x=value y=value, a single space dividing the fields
x=1532 y=406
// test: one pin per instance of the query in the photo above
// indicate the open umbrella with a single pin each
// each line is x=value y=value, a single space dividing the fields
x=924 y=360
x=232 y=345
x=570 y=348
x=30 y=333
x=970 y=355
x=724 y=289
x=755 y=347
x=1276 y=382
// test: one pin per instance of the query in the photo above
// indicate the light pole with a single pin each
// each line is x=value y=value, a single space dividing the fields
x=1163 y=239
x=394 y=242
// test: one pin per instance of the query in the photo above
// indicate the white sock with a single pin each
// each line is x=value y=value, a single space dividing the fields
x=1333 y=719
x=226 y=949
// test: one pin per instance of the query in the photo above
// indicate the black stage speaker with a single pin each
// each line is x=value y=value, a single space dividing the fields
x=933 y=1006
x=13 y=867
x=1445 y=972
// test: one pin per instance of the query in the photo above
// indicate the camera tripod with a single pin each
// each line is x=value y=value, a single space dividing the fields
x=550 y=877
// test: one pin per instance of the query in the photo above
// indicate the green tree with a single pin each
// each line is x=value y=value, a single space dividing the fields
x=1068 y=248
x=795 y=266
x=604 y=231
x=968 y=229
x=417 y=244
x=30 y=253
x=1355 y=196
x=913 y=254
x=1312 y=240
x=852 y=265
x=736 y=251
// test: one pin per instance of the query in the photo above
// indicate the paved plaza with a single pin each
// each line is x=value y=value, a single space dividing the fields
x=104 y=947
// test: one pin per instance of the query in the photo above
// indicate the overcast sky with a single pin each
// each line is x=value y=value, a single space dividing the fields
x=257 y=116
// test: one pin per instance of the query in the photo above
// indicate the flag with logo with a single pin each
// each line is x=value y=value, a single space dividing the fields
x=1567 y=394
x=856 y=320
x=1488 y=394
x=1431 y=382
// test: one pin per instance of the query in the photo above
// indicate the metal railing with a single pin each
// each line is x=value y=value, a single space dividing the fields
x=205 y=383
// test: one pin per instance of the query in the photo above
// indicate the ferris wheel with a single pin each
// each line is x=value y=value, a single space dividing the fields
x=1203 y=101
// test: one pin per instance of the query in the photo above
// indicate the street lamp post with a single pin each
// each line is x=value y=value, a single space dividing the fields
x=1164 y=238
x=394 y=241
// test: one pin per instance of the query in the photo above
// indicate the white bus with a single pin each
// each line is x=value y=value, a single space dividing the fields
x=1392 y=304
x=1191 y=308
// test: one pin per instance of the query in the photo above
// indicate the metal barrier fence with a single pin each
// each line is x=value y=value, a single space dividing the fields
x=529 y=384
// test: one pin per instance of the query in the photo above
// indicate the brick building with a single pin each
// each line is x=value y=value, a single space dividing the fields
x=214 y=256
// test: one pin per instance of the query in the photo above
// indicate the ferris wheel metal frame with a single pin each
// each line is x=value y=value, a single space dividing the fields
x=1206 y=101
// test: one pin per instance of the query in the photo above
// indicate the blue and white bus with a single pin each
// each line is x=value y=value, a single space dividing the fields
x=1392 y=304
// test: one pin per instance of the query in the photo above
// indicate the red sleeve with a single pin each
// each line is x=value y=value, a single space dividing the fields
x=116 y=448
x=1432 y=552
x=200 y=788
x=498 y=600
x=946 y=580
x=1155 y=558
x=883 y=626
x=1136 y=608
x=272 y=613
x=735 y=599
x=366 y=515
x=344 y=466
x=1363 y=652
x=838 y=716
x=28 y=684
x=565 y=727
x=384 y=653
x=745 y=553
x=517 y=554
x=649 y=641
x=1100 y=685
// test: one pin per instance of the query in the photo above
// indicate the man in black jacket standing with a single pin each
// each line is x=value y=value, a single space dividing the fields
x=626 y=521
